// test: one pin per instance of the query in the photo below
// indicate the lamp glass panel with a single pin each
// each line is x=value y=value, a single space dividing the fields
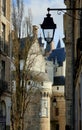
x=48 y=33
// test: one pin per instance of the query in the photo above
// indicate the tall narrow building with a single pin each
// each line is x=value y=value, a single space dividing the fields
x=73 y=42
x=72 y=33
x=58 y=88
x=4 y=65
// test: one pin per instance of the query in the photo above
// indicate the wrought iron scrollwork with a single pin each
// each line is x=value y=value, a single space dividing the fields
x=65 y=10
x=59 y=12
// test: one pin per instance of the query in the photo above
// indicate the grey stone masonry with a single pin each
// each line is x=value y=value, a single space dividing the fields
x=69 y=43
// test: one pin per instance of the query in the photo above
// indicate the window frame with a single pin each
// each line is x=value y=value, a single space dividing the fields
x=3 y=3
x=3 y=31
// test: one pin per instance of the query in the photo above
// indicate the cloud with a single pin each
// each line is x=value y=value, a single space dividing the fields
x=39 y=11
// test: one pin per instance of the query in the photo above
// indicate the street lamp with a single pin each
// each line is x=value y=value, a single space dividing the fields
x=48 y=27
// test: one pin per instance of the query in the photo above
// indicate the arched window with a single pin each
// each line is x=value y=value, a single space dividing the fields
x=2 y=115
x=2 y=108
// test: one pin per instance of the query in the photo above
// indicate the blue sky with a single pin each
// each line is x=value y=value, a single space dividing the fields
x=39 y=11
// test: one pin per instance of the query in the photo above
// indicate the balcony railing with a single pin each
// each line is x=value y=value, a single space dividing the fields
x=4 y=48
x=3 y=86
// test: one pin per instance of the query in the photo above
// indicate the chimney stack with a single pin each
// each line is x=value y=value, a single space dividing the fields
x=35 y=32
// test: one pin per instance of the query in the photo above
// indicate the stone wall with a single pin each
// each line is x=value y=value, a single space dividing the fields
x=58 y=111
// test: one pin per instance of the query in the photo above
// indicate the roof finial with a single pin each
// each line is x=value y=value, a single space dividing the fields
x=59 y=44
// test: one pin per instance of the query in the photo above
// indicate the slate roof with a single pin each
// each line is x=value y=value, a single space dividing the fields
x=58 y=54
x=59 y=80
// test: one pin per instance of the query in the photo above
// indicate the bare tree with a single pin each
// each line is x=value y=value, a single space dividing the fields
x=27 y=24
x=23 y=55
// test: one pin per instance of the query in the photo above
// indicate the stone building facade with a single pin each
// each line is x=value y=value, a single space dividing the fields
x=73 y=34
x=5 y=99
x=41 y=113
x=78 y=69
x=57 y=109
x=37 y=116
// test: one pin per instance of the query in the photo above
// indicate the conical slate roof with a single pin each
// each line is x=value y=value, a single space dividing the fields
x=58 y=53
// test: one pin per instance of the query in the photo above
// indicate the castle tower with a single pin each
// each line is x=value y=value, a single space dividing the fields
x=46 y=91
x=58 y=110
x=37 y=116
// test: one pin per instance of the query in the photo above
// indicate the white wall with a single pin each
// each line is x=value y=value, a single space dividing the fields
x=59 y=89
x=35 y=60
x=50 y=69
x=60 y=70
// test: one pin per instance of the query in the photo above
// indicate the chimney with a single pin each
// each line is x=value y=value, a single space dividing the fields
x=35 y=32
x=52 y=46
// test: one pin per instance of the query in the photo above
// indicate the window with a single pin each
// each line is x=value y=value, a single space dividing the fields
x=55 y=69
x=29 y=83
x=3 y=37
x=1 y=112
x=46 y=63
x=57 y=126
x=57 y=88
x=45 y=71
x=81 y=25
x=4 y=7
x=44 y=108
x=57 y=111
x=41 y=83
x=2 y=109
x=3 y=70
x=2 y=115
